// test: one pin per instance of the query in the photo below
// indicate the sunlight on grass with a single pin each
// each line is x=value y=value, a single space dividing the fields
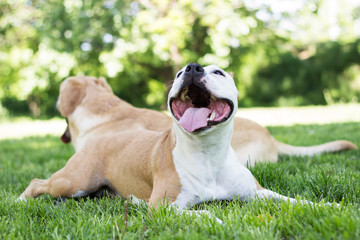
x=27 y=127
x=287 y=116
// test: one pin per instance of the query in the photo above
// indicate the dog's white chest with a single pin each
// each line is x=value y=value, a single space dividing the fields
x=203 y=180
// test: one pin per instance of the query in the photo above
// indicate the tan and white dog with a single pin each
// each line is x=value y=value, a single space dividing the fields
x=190 y=163
x=93 y=111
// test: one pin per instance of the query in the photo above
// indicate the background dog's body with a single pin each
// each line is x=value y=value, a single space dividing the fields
x=93 y=111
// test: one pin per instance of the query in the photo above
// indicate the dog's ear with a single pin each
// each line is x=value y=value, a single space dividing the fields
x=72 y=93
x=102 y=82
x=231 y=74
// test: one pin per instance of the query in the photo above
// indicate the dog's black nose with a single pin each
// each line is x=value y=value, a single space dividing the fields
x=193 y=74
x=194 y=69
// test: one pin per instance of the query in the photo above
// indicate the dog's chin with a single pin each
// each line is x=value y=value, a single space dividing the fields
x=198 y=110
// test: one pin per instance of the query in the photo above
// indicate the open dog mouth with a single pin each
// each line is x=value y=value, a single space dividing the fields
x=197 y=109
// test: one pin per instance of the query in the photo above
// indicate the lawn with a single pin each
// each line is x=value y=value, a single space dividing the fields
x=329 y=177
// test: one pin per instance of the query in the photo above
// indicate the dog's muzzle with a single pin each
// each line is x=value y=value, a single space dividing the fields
x=195 y=107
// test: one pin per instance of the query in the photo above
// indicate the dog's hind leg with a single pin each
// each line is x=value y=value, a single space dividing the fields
x=35 y=188
x=76 y=179
x=56 y=186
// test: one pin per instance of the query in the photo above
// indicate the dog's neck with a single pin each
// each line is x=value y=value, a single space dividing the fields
x=81 y=122
x=204 y=151
x=90 y=115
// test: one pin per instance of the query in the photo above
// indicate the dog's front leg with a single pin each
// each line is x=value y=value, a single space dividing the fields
x=261 y=192
x=265 y=193
x=185 y=200
x=169 y=193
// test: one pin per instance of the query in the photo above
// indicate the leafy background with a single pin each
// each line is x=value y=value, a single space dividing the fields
x=282 y=53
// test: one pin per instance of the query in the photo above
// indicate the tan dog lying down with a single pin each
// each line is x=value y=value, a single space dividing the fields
x=191 y=162
x=93 y=111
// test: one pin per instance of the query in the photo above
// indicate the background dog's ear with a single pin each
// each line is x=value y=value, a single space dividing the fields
x=102 y=82
x=71 y=95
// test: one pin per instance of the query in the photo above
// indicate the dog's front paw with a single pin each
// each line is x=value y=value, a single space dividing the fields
x=199 y=213
x=205 y=212
x=21 y=199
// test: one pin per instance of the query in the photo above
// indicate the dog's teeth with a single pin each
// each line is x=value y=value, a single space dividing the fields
x=183 y=95
x=212 y=116
x=213 y=97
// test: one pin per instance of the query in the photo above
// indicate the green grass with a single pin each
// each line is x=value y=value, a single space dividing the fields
x=329 y=177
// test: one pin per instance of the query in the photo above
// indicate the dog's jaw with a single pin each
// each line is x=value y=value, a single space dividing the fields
x=195 y=117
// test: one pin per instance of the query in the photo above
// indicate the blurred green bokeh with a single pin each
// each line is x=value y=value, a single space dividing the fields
x=297 y=52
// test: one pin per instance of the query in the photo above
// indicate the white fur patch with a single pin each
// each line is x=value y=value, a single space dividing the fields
x=136 y=201
x=85 y=122
x=21 y=199
x=79 y=194
x=197 y=213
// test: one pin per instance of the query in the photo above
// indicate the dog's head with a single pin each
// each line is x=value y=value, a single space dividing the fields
x=201 y=98
x=72 y=92
x=74 y=89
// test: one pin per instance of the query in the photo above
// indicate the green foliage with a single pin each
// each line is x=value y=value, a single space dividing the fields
x=332 y=70
x=328 y=177
x=140 y=45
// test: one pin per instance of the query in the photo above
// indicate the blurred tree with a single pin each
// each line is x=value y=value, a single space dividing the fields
x=283 y=52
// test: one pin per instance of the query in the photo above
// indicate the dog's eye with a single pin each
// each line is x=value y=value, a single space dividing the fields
x=178 y=75
x=217 y=72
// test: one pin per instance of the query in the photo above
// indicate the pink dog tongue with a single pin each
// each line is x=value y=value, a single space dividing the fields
x=194 y=118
